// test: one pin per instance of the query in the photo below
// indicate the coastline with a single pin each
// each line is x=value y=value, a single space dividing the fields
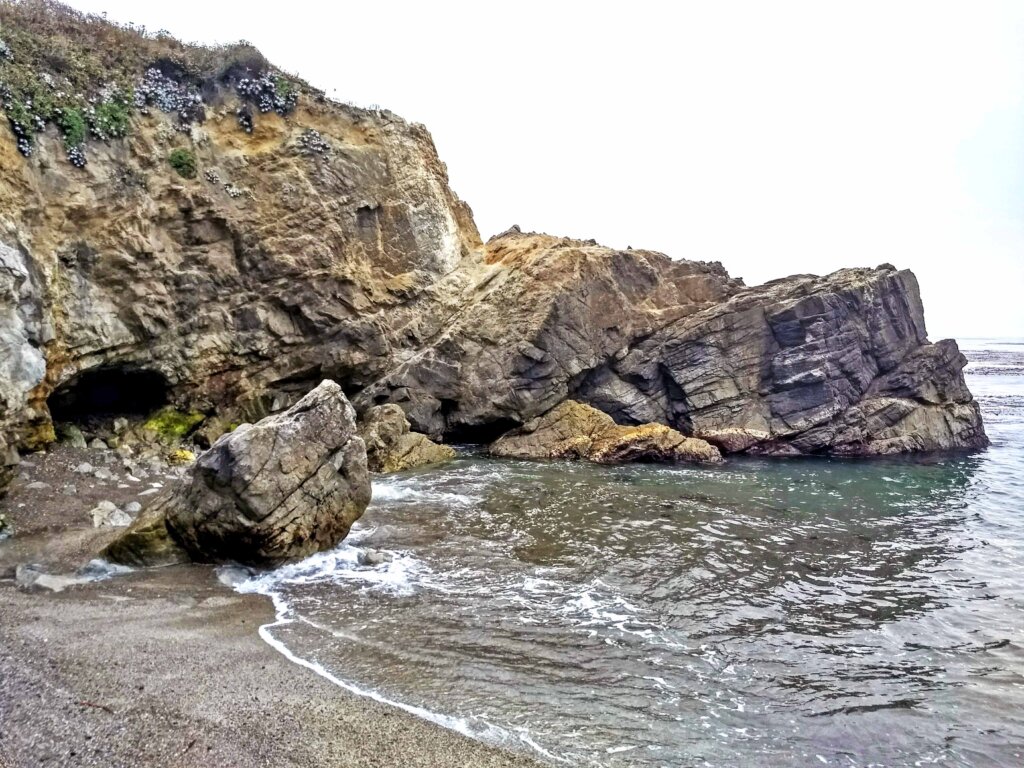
x=166 y=668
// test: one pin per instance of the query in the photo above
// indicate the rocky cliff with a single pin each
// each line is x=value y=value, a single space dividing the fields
x=193 y=226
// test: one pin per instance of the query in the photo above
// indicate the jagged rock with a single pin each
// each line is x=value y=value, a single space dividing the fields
x=801 y=366
x=279 y=490
x=573 y=430
x=362 y=266
x=391 y=447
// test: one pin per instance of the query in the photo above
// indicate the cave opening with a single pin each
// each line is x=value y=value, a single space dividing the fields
x=479 y=434
x=108 y=391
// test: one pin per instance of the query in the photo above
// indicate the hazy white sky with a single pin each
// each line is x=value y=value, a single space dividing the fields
x=776 y=137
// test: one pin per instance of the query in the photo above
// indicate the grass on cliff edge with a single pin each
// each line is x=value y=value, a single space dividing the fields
x=88 y=52
x=56 y=63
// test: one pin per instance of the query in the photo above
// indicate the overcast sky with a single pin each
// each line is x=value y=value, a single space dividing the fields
x=776 y=137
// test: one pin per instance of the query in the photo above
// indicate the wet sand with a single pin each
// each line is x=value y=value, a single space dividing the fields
x=165 y=667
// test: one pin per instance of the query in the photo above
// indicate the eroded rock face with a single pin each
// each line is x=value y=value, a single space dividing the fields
x=838 y=364
x=573 y=430
x=282 y=489
x=392 y=447
x=359 y=264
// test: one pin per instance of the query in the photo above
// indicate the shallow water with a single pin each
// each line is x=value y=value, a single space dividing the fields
x=803 y=612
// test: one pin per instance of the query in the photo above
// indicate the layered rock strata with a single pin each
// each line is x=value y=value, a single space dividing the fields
x=323 y=241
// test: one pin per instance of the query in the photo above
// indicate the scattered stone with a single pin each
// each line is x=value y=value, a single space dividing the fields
x=72 y=435
x=98 y=445
x=133 y=508
x=106 y=513
x=39 y=485
x=576 y=431
x=32 y=576
x=103 y=474
x=120 y=425
x=391 y=447
x=149 y=492
x=181 y=456
x=69 y=490
x=85 y=468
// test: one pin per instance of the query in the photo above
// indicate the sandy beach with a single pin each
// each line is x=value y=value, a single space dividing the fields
x=165 y=667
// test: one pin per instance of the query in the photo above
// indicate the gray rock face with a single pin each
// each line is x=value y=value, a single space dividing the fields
x=282 y=489
x=839 y=364
x=363 y=267
x=23 y=331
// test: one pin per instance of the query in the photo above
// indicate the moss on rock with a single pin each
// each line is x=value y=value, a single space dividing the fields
x=170 y=425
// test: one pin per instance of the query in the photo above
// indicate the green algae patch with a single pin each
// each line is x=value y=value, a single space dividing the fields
x=171 y=425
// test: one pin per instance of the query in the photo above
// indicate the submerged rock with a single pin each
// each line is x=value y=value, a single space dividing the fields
x=282 y=489
x=391 y=447
x=576 y=431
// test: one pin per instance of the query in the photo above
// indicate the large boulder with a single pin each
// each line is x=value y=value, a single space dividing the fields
x=279 y=490
x=573 y=430
x=392 y=447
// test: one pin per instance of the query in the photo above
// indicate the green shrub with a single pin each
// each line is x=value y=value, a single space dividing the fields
x=184 y=162
x=112 y=119
x=72 y=125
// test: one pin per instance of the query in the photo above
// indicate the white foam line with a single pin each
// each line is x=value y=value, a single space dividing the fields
x=445 y=721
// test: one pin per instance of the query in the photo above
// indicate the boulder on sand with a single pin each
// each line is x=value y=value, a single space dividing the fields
x=391 y=447
x=573 y=430
x=279 y=490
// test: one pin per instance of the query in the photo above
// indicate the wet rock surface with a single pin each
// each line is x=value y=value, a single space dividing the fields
x=391 y=447
x=573 y=430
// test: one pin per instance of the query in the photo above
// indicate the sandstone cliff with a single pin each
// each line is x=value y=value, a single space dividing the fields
x=223 y=237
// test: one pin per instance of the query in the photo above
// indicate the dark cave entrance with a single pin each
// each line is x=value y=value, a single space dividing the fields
x=479 y=434
x=108 y=391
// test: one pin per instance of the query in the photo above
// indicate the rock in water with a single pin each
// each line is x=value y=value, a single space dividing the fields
x=348 y=256
x=391 y=447
x=282 y=489
x=576 y=431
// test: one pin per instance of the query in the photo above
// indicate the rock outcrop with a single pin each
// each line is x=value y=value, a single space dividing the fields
x=224 y=258
x=282 y=489
x=392 y=447
x=573 y=430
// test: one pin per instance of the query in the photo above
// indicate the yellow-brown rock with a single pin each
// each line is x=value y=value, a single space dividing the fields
x=392 y=447
x=573 y=430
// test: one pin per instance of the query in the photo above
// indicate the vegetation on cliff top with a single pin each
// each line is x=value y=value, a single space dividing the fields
x=88 y=76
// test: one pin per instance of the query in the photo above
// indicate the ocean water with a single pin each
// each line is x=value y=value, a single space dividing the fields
x=767 y=613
